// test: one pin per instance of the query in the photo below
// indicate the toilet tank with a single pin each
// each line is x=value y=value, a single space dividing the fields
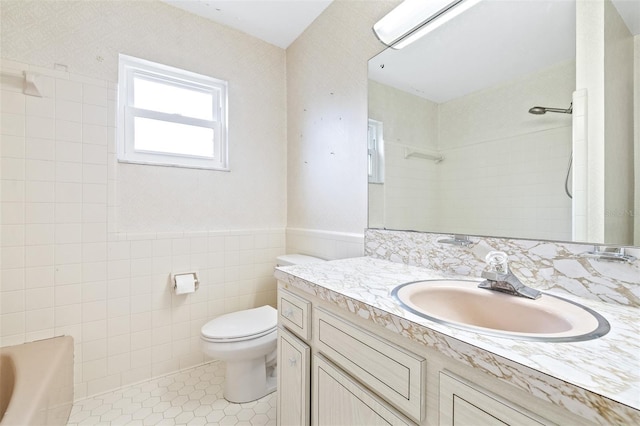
x=296 y=259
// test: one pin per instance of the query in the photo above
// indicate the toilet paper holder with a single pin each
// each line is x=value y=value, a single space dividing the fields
x=195 y=280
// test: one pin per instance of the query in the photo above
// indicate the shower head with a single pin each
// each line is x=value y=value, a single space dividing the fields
x=538 y=110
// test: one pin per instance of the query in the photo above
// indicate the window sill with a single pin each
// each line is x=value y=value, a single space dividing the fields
x=182 y=166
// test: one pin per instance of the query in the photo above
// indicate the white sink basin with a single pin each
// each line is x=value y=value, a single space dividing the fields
x=461 y=304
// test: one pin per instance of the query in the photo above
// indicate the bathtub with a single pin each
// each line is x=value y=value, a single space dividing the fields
x=36 y=382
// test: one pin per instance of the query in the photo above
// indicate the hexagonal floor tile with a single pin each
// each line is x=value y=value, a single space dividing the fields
x=192 y=397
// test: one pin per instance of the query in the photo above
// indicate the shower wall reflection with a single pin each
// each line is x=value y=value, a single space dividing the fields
x=503 y=168
x=465 y=91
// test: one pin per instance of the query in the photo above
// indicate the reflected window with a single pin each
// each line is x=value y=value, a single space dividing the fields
x=375 y=152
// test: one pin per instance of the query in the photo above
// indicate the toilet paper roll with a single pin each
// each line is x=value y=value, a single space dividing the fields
x=185 y=283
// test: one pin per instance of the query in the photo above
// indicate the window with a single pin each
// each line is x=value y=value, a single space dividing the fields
x=375 y=152
x=168 y=116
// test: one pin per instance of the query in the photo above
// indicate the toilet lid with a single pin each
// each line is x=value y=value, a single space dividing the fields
x=250 y=323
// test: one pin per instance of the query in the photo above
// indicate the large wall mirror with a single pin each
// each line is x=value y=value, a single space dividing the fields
x=515 y=119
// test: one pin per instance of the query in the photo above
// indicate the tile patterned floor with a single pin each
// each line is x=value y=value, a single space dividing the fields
x=192 y=397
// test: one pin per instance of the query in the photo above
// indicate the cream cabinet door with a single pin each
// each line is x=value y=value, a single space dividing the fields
x=390 y=371
x=464 y=404
x=340 y=401
x=294 y=373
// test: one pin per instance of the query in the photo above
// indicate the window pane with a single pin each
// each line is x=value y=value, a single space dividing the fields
x=164 y=97
x=174 y=138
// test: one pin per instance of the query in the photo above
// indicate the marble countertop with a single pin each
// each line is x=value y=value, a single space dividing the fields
x=598 y=379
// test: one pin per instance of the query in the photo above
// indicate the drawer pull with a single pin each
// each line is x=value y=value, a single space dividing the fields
x=288 y=313
x=292 y=362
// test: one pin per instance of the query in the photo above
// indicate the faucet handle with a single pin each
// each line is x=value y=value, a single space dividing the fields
x=498 y=262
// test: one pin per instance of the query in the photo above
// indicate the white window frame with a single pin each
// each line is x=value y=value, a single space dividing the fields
x=127 y=112
x=375 y=151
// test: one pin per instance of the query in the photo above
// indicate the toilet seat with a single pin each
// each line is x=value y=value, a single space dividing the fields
x=242 y=325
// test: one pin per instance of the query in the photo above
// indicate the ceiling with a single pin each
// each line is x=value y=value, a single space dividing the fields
x=630 y=12
x=278 y=22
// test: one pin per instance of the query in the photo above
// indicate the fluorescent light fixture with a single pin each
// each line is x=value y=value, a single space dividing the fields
x=413 y=19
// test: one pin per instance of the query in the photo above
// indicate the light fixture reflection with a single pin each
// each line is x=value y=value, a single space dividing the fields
x=413 y=19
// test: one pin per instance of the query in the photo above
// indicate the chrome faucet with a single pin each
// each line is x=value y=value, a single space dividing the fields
x=498 y=277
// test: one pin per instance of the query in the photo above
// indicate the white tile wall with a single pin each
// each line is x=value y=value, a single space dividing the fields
x=517 y=190
x=64 y=273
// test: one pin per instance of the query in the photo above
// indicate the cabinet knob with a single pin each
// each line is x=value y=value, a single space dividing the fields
x=292 y=362
x=288 y=313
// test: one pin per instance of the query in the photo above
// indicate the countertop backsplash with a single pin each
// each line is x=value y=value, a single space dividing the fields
x=559 y=267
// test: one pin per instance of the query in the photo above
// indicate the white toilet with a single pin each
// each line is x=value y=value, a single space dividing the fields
x=246 y=341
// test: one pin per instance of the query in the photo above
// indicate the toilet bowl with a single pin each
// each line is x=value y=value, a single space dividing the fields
x=246 y=341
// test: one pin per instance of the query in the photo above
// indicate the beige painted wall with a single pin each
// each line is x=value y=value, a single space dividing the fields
x=87 y=36
x=67 y=266
x=501 y=111
x=327 y=117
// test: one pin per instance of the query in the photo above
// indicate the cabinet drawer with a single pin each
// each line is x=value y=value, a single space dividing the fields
x=463 y=403
x=294 y=313
x=390 y=371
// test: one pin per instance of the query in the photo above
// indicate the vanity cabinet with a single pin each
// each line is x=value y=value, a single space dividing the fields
x=358 y=378
x=336 y=369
